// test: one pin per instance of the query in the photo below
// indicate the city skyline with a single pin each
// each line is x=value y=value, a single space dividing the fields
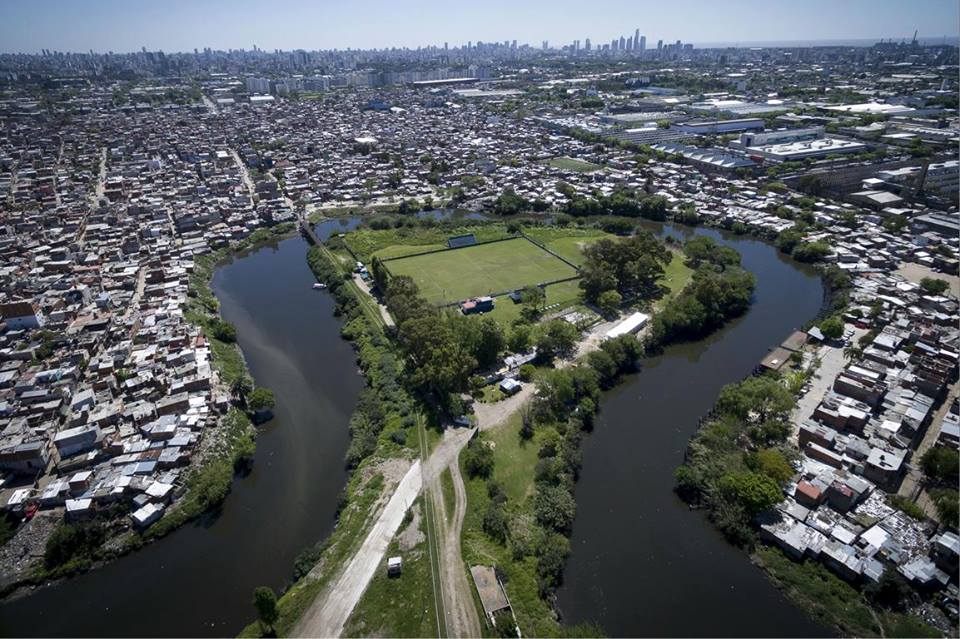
x=177 y=26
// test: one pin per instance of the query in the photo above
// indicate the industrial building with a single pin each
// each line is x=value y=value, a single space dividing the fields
x=781 y=136
x=714 y=127
x=793 y=151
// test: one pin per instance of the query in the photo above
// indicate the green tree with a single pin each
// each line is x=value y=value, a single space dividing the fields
x=265 y=602
x=557 y=339
x=519 y=339
x=631 y=266
x=832 y=327
x=554 y=507
x=442 y=365
x=756 y=398
x=261 y=399
x=753 y=491
x=223 y=330
x=241 y=387
x=772 y=463
x=509 y=203
x=948 y=508
x=609 y=303
x=478 y=459
x=941 y=464
x=934 y=286
x=811 y=251
x=705 y=250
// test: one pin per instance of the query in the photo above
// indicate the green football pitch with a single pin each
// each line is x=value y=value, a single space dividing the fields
x=459 y=274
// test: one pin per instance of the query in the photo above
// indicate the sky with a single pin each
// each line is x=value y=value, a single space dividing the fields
x=27 y=26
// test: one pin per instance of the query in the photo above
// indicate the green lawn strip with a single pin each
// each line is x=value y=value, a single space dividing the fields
x=400 y=606
x=450 y=276
x=514 y=463
x=896 y=624
x=832 y=601
x=567 y=242
x=449 y=498
x=559 y=297
x=352 y=525
x=401 y=250
x=366 y=242
x=676 y=275
x=573 y=164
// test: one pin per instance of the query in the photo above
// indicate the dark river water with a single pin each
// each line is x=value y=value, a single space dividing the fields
x=200 y=579
x=642 y=564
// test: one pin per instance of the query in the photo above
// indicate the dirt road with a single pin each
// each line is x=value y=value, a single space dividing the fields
x=331 y=610
x=460 y=613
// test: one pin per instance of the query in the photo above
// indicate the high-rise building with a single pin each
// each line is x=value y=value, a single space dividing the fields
x=623 y=44
x=630 y=43
x=643 y=43
x=636 y=38
x=659 y=45
x=587 y=47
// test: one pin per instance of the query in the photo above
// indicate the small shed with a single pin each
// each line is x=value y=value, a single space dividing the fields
x=510 y=386
x=394 y=566
x=776 y=359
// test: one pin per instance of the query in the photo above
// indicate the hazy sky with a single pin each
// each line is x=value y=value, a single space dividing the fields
x=181 y=25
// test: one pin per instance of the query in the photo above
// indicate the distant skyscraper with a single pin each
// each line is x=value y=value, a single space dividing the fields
x=659 y=45
x=623 y=43
x=643 y=43
x=587 y=47
x=630 y=43
x=636 y=38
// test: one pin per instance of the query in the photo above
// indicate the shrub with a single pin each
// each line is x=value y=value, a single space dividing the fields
x=478 y=459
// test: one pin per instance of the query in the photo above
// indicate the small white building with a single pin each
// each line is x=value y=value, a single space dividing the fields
x=630 y=325
x=146 y=515
x=394 y=566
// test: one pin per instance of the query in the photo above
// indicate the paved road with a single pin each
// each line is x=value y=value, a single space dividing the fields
x=330 y=611
x=832 y=361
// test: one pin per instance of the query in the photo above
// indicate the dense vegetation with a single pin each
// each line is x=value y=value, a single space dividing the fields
x=720 y=289
x=531 y=528
x=732 y=484
x=385 y=403
x=629 y=266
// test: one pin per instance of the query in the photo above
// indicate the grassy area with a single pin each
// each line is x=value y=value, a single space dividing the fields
x=567 y=242
x=573 y=164
x=349 y=533
x=676 y=275
x=449 y=498
x=559 y=296
x=449 y=276
x=514 y=461
x=367 y=242
x=833 y=602
x=827 y=598
x=401 y=606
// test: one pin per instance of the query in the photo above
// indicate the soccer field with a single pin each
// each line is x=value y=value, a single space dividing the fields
x=455 y=275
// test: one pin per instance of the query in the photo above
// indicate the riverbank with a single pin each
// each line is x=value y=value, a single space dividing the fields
x=386 y=436
x=224 y=450
x=521 y=510
x=736 y=468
